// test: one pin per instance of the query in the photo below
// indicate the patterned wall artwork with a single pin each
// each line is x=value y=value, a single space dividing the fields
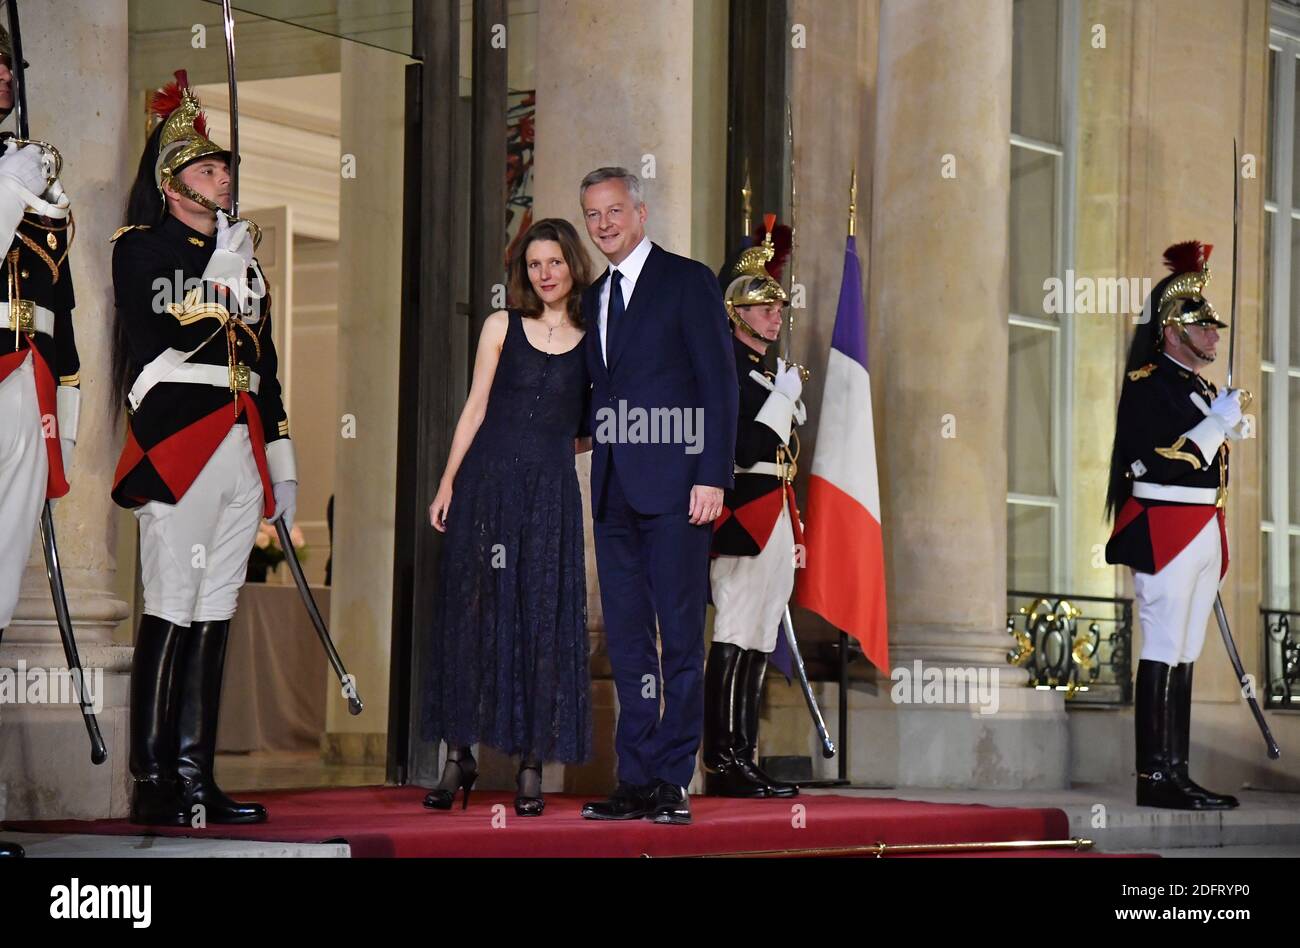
x=520 y=139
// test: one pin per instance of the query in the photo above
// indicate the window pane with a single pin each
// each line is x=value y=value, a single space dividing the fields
x=1293 y=547
x=1036 y=70
x=1033 y=228
x=1270 y=123
x=1295 y=140
x=1293 y=452
x=1029 y=548
x=1265 y=448
x=1295 y=293
x=1030 y=396
x=1266 y=569
x=1266 y=308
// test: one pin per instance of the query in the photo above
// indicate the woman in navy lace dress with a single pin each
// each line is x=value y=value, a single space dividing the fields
x=508 y=651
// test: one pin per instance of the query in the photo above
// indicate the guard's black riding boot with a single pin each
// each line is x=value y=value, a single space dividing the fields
x=156 y=796
x=728 y=778
x=1182 y=740
x=749 y=700
x=202 y=664
x=1159 y=783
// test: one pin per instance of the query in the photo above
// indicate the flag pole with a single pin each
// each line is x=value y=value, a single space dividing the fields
x=746 y=207
x=853 y=203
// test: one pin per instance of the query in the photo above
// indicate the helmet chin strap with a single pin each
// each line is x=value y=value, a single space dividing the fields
x=749 y=330
x=1187 y=341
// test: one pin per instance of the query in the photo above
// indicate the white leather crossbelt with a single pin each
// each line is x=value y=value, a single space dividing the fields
x=171 y=367
x=1182 y=495
x=33 y=318
x=218 y=375
x=765 y=467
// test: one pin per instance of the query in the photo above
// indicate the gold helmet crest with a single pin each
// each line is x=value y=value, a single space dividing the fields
x=752 y=284
x=184 y=138
x=1183 y=302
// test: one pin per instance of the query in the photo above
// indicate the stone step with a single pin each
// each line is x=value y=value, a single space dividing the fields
x=85 y=846
x=1108 y=816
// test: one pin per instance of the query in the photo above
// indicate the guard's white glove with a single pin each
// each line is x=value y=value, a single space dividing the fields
x=788 y=381
x=25 y=166
x=22 y=176
x=230 y=261
x=1226 y=407
x=286 y=502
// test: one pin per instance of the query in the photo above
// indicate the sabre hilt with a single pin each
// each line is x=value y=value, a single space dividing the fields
x=51 y=158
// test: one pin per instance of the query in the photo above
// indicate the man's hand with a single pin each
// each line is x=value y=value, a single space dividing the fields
x=788 y=381
x=25 y=167
x=1227 y=408
x=706 y=504
x=286 y=502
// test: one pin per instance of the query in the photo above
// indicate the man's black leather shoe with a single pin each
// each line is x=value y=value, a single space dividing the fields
x=10 y=850
x=628 y=802
x=672 y=805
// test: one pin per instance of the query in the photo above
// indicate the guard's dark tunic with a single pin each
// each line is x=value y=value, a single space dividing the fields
x=1156 y=411
x=751 y=508
x=178 y=426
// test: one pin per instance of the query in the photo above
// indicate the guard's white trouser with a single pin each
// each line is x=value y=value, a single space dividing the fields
x=24 y=470
x=194 y=554
x=1175 y=604
x=750 y=593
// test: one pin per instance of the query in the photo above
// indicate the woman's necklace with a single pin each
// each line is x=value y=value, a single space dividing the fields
x=550 y=332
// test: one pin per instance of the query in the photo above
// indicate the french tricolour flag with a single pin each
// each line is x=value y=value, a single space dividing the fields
x=843 y=579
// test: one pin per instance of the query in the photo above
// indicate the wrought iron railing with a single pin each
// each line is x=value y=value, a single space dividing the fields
x=1281 y=658
x=1081 y=645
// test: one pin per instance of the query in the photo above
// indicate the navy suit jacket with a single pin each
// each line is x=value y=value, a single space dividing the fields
x=672 y=370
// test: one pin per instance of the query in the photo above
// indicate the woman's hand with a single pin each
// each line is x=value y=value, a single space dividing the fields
x=438 y=509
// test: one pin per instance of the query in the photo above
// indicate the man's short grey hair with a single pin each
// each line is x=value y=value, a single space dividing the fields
x=601 y=175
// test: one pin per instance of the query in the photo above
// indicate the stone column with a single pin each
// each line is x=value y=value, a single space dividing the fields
x=78 y=100
x=365 y=461
x=626 y=95
x=939 y=296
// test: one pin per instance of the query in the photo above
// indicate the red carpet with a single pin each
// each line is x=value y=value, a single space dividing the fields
x=389 y=821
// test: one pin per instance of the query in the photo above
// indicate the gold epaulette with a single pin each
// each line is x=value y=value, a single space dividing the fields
x=122 y=230
x=1139 y=374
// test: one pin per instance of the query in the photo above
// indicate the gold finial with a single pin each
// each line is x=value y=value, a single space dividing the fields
x=853 y=205
x=747 y=207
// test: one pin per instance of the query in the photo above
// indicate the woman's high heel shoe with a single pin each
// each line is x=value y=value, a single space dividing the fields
x=440 y=799
x=529 y=806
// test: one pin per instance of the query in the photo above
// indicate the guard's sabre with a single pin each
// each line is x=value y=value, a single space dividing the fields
x=794 y=229
x=17 y=71
x=98 y=751
x=1221 y=614
x=286 y=544
x=1236 y=257
x=291 y=557
x=1247 y=688
x=787 y=626
x=228 y=22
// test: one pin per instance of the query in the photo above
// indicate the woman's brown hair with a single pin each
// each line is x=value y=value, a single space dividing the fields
x=521 y=288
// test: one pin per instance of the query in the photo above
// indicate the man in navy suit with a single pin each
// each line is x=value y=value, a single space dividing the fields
x=663 y=420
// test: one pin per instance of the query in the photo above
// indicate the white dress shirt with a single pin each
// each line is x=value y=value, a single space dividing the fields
x=629 y=271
